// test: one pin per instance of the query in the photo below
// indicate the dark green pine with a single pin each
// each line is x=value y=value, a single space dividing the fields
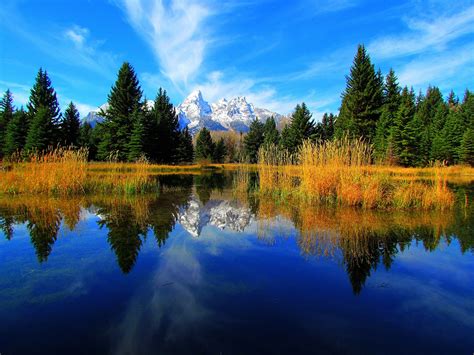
x=43 y=109
x=270 y=132
x=220 y=151
x=71 y=126
x=253 y=140
x=466 y=149
x=204 y=145
x=299 y=129
x=135 y=146
x=123 y=99
x=185 y=149
x=16 y=132
x=362 y=99
x=6 y=115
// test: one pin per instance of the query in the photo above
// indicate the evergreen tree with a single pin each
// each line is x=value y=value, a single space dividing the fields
x=391 y=101
x=427 y=108
x=453 y=132
x=204 y=145
x=466 y=149
x=89 y=139
x=135 y=145
x=40 y=131
x=44 y=114
x=71 y=126
x=6 y=115
x=253 y=140
x=166 y=136
x=220 y=151
x=15 y=135
x=300 y=128
x=123 y=100
x=185 y=149
x=270 y=132
x=362 y=99
x=406 y=130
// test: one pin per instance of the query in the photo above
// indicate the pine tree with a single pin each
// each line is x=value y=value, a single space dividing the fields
x=391 y=101
x=300 y=128
x=253 y=140
x=270 y=132
x=15 y=135
x=88 y=139
x=71 y=126
x=135 y=145
x=44 y=103
x=204 y=145
x=466 y=149
x=40 y=131
x=220 y=151
x=362 y=99
x=406 y=130
x=427 y=108
x=123 y=99
x=166 y=136
x=185 y=149
x=6 y=115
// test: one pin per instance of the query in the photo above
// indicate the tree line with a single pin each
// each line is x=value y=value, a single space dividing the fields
x=404 y=128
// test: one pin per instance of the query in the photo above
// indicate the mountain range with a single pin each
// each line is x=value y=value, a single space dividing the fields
x=194 y=112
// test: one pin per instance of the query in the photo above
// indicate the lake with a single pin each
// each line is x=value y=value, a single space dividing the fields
x=198 y=269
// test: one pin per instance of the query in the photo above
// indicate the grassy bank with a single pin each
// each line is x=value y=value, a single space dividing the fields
x=341 y=173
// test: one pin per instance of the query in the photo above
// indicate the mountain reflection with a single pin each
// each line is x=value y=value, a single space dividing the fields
x=362 y=240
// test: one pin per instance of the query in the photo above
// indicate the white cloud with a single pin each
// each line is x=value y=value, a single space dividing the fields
x=77 y=35
x=440 y=69
x=175 y=32
x=425 y=35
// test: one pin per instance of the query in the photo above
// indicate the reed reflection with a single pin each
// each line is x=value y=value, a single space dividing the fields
x=362 y=240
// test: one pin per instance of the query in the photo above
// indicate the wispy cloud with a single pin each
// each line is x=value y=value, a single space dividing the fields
x=72 y=46
x=422 y=35
x=176 y=33
x=439 y=69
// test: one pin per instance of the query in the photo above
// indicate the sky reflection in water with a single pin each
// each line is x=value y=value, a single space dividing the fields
x=197 y=269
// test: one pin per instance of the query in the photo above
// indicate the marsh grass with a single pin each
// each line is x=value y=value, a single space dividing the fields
x=341 y=172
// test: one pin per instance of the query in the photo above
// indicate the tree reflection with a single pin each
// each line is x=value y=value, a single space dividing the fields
x=362 y=240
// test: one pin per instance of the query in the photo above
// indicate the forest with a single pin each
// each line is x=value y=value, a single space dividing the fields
x=403 y=127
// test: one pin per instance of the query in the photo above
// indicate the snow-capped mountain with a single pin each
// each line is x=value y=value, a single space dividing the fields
x=235 y=114
x=221 y=214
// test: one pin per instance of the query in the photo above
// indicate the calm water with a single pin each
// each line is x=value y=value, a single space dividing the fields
x=196 y=269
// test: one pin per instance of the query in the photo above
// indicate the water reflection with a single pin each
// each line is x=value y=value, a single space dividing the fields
x=361 y=240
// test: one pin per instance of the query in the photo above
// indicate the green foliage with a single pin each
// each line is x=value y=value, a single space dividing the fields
x=89 y=139
x=466 y=149
x=300 y=128
x=124 y=99
x=185 y=148
x=165 y=137
x=135 y=146
x=325 y=128
x=6 y=115
x=406 y=130
x=16 y=132
x=44 y=114
x=204 y=145
x=391 y=102
x=253 y=140
x=270 y=132
x=220 y=151
x=41 y=131
x=70 y=126
x=362 y=99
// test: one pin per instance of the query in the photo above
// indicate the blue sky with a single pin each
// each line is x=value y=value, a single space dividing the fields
x=277 y=53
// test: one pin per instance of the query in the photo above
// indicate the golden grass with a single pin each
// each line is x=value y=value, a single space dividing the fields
x=340 y=172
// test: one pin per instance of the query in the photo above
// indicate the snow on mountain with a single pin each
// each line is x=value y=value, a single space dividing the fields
x=235 y=114
x=194 y=112
x=221 y=214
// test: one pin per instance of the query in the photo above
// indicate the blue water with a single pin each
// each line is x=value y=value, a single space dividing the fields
x=232 y=283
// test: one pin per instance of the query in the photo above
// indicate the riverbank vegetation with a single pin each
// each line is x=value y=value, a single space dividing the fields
x=386 y=148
